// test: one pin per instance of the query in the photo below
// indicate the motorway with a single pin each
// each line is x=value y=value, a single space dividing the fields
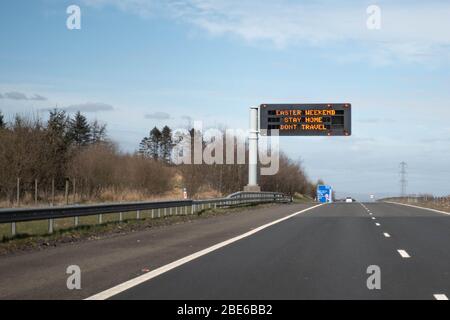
x=320 y=253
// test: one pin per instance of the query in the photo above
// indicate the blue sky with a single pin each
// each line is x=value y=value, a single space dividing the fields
x=135 y=64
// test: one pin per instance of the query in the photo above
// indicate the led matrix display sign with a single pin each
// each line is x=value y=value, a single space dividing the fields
x=306 y=119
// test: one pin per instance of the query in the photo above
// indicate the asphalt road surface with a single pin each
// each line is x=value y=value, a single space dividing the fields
x=322 y=253
x=114 y=259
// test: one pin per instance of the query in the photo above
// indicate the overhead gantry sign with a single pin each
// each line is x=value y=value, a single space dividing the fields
x=306 y=119
x=326 y=119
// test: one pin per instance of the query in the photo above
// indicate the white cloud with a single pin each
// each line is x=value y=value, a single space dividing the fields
x=144 y=8
x=411 y=31
x=158 y=116
x=15 y=95
x=89 y=107
x=38 y=97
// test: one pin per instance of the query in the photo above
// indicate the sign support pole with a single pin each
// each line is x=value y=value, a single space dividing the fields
x=253 y=152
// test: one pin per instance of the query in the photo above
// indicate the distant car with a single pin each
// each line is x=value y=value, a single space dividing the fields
x=349 y=199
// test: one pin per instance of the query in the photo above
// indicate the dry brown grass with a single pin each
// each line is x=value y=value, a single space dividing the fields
x=112 y=195
x=442 y=203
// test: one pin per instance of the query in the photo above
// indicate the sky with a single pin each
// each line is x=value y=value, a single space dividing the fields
x=135 y=64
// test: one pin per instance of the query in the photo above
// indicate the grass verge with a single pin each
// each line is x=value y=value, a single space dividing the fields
x=90 y=229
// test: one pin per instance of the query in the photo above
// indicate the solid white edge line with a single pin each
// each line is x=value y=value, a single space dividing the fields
x=403 y=253
x=410 y=205
x=150 y=275
x=387 y=235
x=440 y=296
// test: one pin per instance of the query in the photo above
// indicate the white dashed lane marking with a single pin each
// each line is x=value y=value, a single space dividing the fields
x=403 y=253
x=440 y=297
x=387 y=235
x=377 y=224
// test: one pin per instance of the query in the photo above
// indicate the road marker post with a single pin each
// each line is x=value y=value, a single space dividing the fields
x=18 y=192
x=53 y=192
x=35 y=192
x=13 y=229
x=50 y=226
x=66 y=192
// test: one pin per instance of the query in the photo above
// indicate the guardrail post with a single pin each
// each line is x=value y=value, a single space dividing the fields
x=192 y=208
x=75 y=221
x=138 y=214
x=100 y=218
x=50 y=226
x=13 y=229
x=120 y=216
